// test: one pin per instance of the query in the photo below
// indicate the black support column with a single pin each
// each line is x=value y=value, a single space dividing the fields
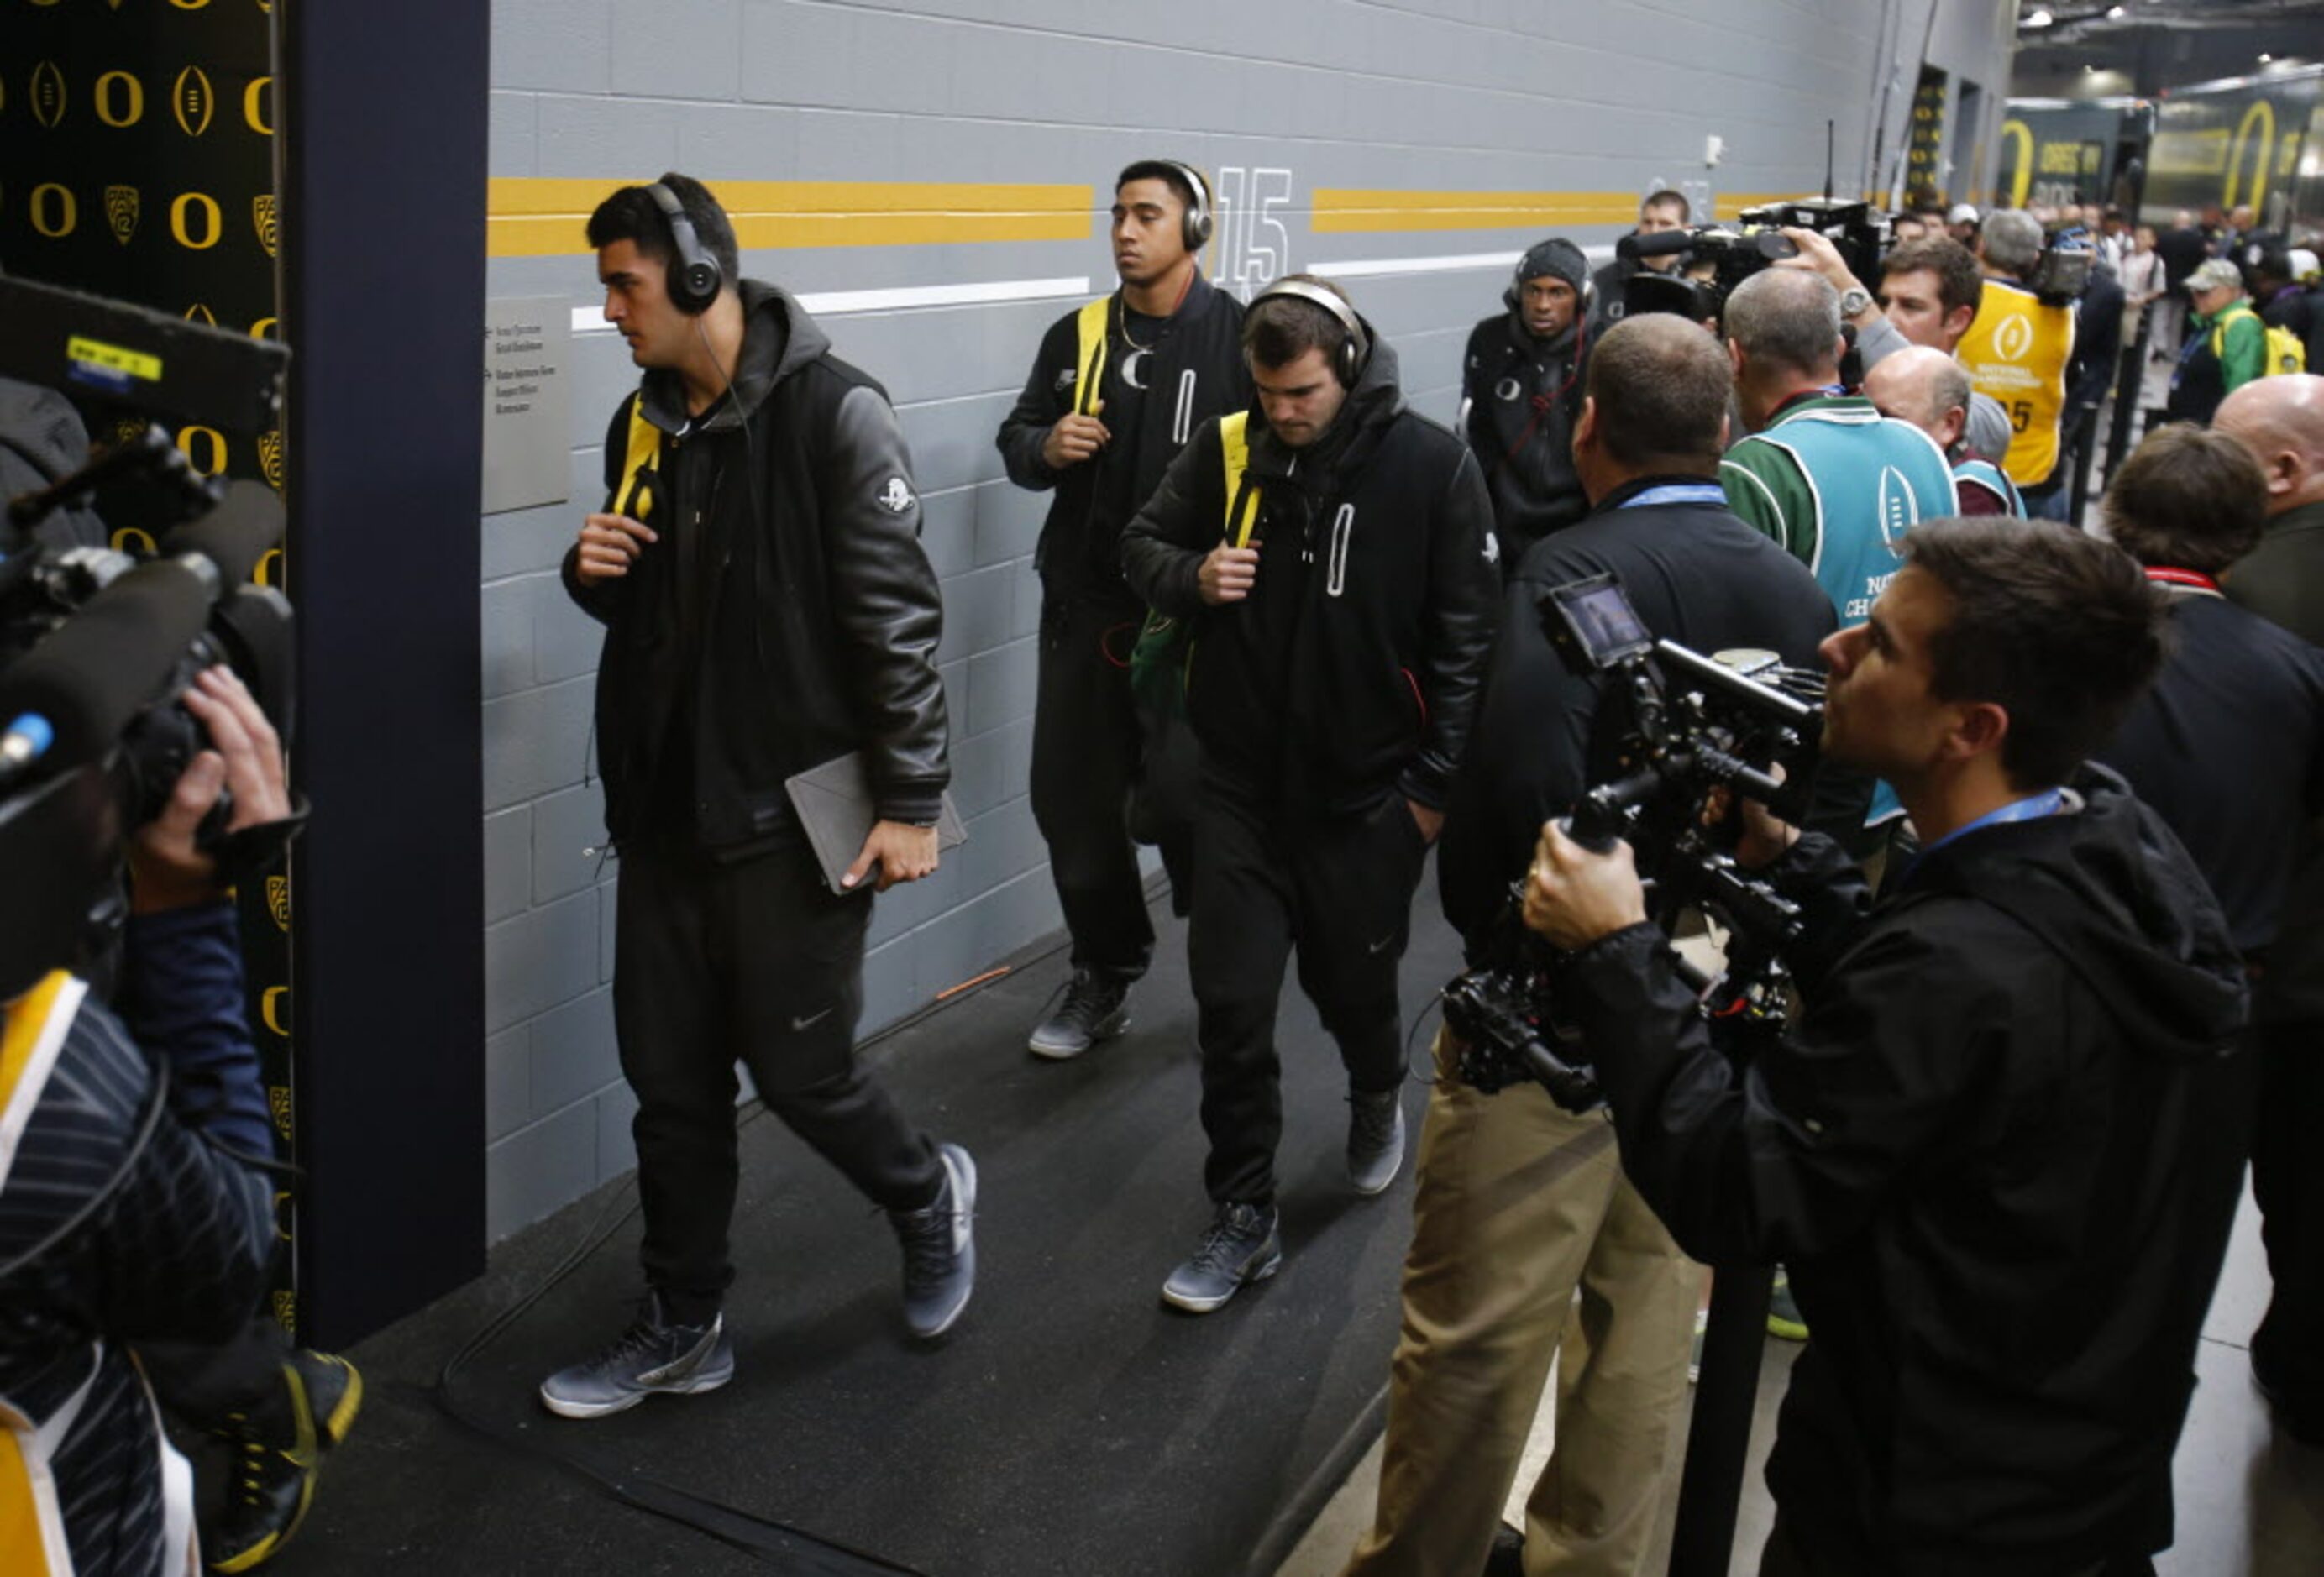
x=383 y=165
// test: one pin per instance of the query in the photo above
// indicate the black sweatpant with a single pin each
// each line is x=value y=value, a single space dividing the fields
x=2288 y=1182
x=756 y=962
x=1085 y=759
x=1266 y=882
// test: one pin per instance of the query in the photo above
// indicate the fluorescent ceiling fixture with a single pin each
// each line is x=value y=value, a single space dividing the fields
x=2115 y=14
x=2037 y=18
x=2264 y=57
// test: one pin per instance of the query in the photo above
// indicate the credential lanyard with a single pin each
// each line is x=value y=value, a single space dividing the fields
x=2032 y=808
x=1676 y=492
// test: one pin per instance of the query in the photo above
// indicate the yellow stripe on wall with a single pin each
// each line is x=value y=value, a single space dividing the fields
x=1354 y=209
x=540 y=216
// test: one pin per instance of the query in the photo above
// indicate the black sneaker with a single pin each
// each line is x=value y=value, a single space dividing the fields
x=279 y=1450
x=652 y=1355
x=1239 y=1248
x=940 y=1248
x=1507 y=1558
x=1094 y=1009
x=1375 y=1138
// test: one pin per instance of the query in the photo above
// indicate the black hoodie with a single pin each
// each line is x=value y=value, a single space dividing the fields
x=1520 y=397
x=2000 y=1156
x=1352 y=666
x=787 y=615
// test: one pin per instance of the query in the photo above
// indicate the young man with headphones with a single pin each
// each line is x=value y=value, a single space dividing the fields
x=1118 y=385
x=1521 y=393
x=1335 y=551
x=768 y=609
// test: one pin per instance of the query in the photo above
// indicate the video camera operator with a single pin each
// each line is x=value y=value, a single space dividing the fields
x=2002 y=1151
x=1521 y=1202
x=128 y=1210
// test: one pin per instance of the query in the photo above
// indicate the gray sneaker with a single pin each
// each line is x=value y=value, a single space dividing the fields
x=1375 y=1139
x=652 y=1355
x=940 y=1248
x=1094 y=1009
x=1239 y=1248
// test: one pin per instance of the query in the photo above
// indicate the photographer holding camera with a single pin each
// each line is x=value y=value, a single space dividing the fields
x=1520 y=1203
x=128 y=1210
x=2002 y=1151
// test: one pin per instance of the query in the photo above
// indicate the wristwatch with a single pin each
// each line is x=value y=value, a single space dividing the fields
x=1854 y=302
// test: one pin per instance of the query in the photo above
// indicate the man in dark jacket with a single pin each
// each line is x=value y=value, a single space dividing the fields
x=2003 y=1150
x=766 y=609
x=1334 y=553
x=2281 y=420
x=1520 y=1203
x=1660 y=211
x=1520 y=391
x=1118 y=387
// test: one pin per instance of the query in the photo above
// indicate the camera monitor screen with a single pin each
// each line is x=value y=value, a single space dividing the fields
x=1600 y=620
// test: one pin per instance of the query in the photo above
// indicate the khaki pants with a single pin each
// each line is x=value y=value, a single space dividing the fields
x=1519 y=1205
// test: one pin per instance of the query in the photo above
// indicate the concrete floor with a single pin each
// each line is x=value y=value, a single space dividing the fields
x=2249 y=1501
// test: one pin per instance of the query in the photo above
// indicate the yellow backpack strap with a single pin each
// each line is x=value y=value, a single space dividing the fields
x=1090 y=357
x=2220 y=329
x=1234 y=447
x=636 y=495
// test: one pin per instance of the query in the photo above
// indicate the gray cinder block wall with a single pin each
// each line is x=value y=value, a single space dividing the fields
x=1487 y=122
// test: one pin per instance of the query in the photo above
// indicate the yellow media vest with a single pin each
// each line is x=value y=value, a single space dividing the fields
x=2017 y=353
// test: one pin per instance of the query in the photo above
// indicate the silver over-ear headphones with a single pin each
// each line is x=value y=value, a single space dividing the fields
x=1355 y=349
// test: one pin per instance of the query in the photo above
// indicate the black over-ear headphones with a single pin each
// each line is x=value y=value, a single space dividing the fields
x=1194 y=224
x=1355 y=349
x=696 y=281
x=1588 y=290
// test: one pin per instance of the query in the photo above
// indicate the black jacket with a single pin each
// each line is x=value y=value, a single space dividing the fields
x=1195 y=372
x=1519 y=399
x=1697 y=576
x=2000 y=1156
x=1352 y=666
x=808 y=625
x=2228 y=748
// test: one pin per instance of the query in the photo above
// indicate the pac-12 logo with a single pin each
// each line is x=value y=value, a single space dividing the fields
x=121 y=211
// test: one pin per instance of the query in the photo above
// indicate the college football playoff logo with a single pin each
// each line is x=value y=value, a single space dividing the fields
x=897 y=496
x=191 y=100
x=47 y=94
x=2013 y=339
x=262 y=216
x=121 y=211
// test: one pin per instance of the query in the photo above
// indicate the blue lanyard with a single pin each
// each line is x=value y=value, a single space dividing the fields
x=2032 y=808
x=1676 y=492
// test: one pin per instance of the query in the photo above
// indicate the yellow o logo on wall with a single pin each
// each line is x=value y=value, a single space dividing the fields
x=120 y=99
x=2022 y=135
x=264 y=328
x=255 y=108
x=55 y=212
x=2261 y=111
x=133 y=539
x=181 y=224
x=204 y=449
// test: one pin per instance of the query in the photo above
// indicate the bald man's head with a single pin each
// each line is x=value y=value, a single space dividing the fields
x=2281 y=420
x=1924 y=386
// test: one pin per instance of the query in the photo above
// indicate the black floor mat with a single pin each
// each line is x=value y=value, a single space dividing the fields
x=1072 y=1424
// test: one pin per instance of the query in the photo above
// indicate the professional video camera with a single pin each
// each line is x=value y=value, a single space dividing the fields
x=97 y=646
x=1680 y=730
x=1717 y=259
x=2060 y=276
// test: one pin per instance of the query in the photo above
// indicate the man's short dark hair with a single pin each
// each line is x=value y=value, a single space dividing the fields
x=1667 y=198
x=2188 y=498
x=629 y=215
x=2058 y=628
x=1171 y=175
x=1788 y=317
x=1279 y=330
x=1959 y=282
x=1661 y=386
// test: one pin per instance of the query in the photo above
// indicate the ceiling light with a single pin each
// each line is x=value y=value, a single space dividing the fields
x=2264 y=57
x=2116 y=12
x=2037 y=18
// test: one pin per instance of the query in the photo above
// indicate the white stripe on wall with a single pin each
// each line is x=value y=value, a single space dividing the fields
x=591 y=319
x=1454 y=263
